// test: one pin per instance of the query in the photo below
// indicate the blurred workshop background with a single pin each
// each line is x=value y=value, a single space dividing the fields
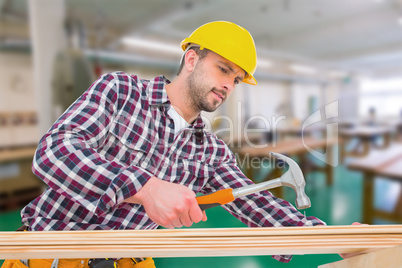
x=329 y=95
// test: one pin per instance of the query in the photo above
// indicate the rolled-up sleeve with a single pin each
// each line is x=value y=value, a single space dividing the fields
x=68 y=160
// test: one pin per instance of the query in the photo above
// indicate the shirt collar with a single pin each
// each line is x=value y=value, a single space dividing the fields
x=157 y=95
x=156 y=91
x=198 y=123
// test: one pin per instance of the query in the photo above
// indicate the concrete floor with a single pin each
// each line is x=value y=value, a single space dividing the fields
x=339 y=204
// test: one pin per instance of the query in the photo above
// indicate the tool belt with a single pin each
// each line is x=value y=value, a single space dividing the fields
x=79 y=263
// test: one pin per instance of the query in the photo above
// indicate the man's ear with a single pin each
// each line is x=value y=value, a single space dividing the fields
x=190 y=60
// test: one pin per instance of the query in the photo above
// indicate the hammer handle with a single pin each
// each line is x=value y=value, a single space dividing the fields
x=215 y=199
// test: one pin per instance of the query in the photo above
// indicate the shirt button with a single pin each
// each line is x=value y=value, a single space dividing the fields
x=171 y=125
x=129 y=140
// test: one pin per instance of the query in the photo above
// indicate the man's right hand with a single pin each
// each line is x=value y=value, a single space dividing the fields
x=168 y=204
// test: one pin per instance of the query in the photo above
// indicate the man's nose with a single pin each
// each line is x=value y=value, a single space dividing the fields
x=228 y=85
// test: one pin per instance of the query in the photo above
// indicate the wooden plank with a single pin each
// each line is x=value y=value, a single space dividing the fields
x=380 y=238
x=306 y=242
x=219 y=232
x=206 y=240
x=384 y=258
x=127 y=251
x=199 y=242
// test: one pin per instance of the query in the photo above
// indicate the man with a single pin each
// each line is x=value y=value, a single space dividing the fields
x=132 y=153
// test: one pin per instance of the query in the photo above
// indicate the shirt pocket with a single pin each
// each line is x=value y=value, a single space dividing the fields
x=196 y=174
x=132 y=148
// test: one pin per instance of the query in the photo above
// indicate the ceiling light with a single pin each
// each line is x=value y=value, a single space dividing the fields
x=302 y=69
x=400 y=20
x=150 y=45
x=337 y=74
x=264 y=63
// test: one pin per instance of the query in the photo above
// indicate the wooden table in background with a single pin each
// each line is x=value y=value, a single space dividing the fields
x=296 y=147
x=398 y=131
x=385 y=163
x=21 y=186
x=18 y=153
x=282 y=132
x=364 y=134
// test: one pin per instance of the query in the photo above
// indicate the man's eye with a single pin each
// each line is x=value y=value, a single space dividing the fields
x=223 y=70
x=237 y=81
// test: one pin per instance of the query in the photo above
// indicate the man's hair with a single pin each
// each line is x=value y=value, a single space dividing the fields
x=202 y=53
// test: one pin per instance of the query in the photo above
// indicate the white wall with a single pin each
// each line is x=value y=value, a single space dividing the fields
x=266 y=98
x=18 y=109
x=16 y=89
x=301 y=93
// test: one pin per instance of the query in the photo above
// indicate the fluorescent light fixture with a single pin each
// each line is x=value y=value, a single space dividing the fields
x=337 y=74
x=302 y=69
x=400 y=20
x=151 y=45
x=262 y=63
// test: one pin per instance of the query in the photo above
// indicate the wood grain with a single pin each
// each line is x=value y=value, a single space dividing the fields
x=199 y=242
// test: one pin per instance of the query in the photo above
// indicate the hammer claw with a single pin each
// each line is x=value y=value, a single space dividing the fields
x=292 y=178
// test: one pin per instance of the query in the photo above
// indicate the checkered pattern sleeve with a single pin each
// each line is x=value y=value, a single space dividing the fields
x=68 y=159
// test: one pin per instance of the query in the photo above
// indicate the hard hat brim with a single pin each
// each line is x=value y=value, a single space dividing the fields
x=249 y=79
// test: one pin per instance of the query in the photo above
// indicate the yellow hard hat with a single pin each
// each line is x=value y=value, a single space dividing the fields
x=230 y=41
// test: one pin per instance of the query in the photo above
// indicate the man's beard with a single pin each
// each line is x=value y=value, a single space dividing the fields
x=198 y=93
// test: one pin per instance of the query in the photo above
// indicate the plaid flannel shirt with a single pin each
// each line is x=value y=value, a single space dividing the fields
x=114 y=138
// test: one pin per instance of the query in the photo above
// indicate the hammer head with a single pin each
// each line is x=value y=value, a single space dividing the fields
x=294 y=178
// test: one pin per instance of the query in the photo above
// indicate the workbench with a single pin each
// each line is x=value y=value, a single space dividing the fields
x=17 y=153
x=398 y=131
x=364 y=136
x=297 y=147
x=18 y=185
x=386 y=163
x=283 y=132
x=276 y=134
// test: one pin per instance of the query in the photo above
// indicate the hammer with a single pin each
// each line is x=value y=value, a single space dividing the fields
x=292 y=178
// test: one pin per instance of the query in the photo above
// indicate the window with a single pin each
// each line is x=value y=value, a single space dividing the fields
x=384 y=95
